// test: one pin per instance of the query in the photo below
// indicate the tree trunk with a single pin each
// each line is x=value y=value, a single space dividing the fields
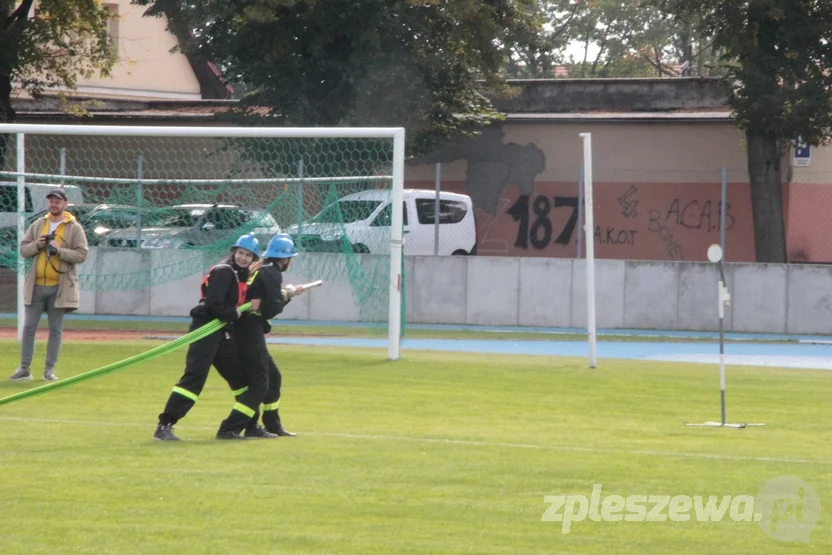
x=766 y=197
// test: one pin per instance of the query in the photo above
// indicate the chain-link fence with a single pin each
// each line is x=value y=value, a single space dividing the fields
x=157 y=209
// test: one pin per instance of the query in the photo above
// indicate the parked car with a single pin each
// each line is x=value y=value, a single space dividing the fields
x=34 y=201
x=195 y=225
x=97 y=220
x=361 y=221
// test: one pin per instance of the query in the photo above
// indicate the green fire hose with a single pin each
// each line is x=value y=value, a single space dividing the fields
x=186 y=339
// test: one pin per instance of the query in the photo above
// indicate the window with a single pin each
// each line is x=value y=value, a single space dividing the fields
x=112 y=26
x=386 y=215
x=347 y=211
x=450 y=211
x=176 y=217
x=8 y=199
x=111 y=218
x=227 y=218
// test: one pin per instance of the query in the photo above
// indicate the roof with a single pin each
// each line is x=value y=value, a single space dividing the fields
x=673 y=116
x=385 y=194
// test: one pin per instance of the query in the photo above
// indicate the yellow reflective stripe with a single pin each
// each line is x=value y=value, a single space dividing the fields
x=239 y=407
x=185 y=393
x=251 y=278
x=271 y=406
x=239 y=391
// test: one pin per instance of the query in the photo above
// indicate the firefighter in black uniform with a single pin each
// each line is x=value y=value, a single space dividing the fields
x=268 y=296
x=223 y=291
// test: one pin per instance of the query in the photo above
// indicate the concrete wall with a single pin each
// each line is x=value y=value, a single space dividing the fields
x=499 y=291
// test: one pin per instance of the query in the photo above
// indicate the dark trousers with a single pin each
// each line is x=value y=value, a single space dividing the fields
x=249 y=336
x=271 y=420
x=219 y=350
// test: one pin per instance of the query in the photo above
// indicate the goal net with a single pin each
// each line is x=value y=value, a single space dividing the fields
x=160 y=205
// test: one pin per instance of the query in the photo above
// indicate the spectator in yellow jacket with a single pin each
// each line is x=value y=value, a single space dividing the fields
x=58 y=243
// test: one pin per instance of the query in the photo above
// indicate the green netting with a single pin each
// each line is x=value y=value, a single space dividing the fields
x=159 y=209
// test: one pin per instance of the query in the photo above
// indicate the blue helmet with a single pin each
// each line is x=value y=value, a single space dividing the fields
x=281 y=246
x=248 y=242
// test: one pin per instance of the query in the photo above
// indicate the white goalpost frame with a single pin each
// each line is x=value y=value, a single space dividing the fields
x=396 y=133
x=589 y=231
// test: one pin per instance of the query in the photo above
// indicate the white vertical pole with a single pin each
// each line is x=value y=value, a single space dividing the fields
x=394 y=326
x=436 y=211
x=62 y=153
x=722 y=349
x=21 y=228
x=580 y=211
x=724 y=197
x=589 y=226
x=139 y=200
x=300 y=198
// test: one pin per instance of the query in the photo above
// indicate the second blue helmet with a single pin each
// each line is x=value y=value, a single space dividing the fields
x=281 y=246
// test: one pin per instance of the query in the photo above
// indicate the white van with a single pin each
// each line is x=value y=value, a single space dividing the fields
x=35 y=200
x=366 y=224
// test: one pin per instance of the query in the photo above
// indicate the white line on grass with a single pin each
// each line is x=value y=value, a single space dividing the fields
x=564 y=448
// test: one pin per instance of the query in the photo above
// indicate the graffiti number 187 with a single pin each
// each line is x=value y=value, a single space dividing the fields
x=535 y=224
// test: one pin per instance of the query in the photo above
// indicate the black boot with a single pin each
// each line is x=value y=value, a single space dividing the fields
x=228 y=434
x=271 y=419
x=258 y=432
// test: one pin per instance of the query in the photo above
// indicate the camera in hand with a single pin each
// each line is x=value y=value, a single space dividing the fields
x=50 y=250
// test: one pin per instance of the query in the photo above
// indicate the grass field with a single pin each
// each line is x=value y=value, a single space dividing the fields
x=435 y=453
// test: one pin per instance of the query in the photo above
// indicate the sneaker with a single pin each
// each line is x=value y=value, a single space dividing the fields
x=164 y=432
x=259 y=433
x=21 y=374
x=49 y=376
x=229 y=435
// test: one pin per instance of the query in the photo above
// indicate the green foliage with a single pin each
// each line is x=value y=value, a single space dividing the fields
x=779 y=59
x=52 y=47
x=617 y=39
x=426 y=65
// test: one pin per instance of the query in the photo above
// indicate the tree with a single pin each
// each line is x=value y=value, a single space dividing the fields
x=64 y=39
x=630 y=39
x=778 y=55
x=536 y=56
x=50 y=48
x=426 y=65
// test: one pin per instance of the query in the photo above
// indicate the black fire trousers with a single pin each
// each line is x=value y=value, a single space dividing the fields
x=249 y=336
x=217 y=349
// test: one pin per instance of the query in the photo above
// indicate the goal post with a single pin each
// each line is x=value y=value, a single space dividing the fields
x=292 y=179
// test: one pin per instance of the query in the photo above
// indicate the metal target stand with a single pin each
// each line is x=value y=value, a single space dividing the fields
x=715 y=256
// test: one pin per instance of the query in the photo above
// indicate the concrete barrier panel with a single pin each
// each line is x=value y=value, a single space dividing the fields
x=651 y=295
x=758 y=298
x=298 y=307
x=86 y=277
x=333 y=301
x=698 y=297
x=127 y=271
x=809 y=299
x=493 y=293
x=176 y=275
x=440 y=295
x=545 y=292
x=609 y=294
x=409 y=286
